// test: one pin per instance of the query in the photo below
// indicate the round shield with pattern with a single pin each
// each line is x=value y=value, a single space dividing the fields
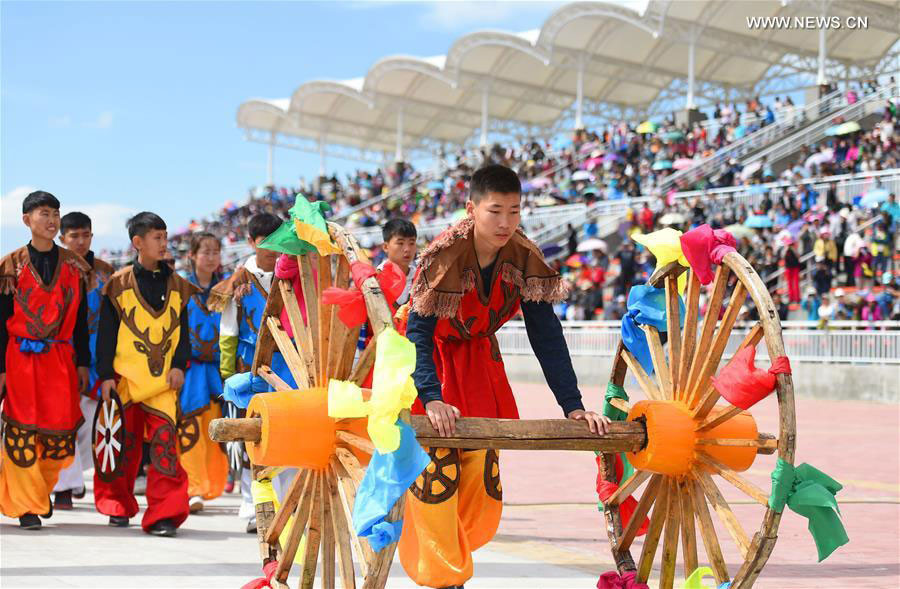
x=109 y=438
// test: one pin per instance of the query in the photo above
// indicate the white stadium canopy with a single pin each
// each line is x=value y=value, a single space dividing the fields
x=589 y=60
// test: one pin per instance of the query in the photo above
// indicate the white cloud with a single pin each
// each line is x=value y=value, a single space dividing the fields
x=103 y=121
x=11 y=206
x=107 y=219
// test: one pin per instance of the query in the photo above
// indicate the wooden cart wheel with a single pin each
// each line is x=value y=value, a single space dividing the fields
x=680 y=497
x=321 y=502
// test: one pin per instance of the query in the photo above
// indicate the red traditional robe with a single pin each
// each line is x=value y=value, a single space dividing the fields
x=448 y=284
x=41 y=377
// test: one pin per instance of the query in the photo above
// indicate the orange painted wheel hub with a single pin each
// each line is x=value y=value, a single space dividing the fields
x=672 y=439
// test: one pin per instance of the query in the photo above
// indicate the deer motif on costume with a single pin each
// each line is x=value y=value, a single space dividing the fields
x=204 y=349
x=155 y=352
x=37 y=326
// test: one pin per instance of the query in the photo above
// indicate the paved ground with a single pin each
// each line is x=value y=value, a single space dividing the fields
x=551 y=535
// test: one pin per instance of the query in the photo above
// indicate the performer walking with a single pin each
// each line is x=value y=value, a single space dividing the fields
x=204 y=461
x=76 y=234
x=43 y=309
x=471 y=280
x=242 y=299
x=144 y=339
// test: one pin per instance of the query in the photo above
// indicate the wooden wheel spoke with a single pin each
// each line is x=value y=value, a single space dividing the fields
x=764 y=444
x=651 y=540
x=719 y=419
x=709 y=325
x=339 y=332
x=651 y=493
x=302 y=335
x=296 y=364
x=708 y=532
x=628 y=487
x=298 y=528
x=714 y=354
x=735 y=479
x=291 y=499
x=347 y=491
x=711 y=395
x=688 y=530
x=724 y=512
x=313 y=533
x=310 y=300
x=659 y=361
x=689 y=332
x=356 y=441
x=328 y=535
x=620 y=404
x=670 y=538
x=646 y=383
x=341 y=532
x=673 y=320
x=324 y=313
x=268 y=375
x=364 y=364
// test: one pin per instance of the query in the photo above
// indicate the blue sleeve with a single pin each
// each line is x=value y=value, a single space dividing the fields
x=546 y=338
x=420 y=331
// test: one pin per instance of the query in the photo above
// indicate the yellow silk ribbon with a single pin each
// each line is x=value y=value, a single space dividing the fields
x=392 y=391
x=665 y=245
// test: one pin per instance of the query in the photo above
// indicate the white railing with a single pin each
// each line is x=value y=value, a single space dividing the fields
x=817 y=131
x=850 y=342
x=788 y=121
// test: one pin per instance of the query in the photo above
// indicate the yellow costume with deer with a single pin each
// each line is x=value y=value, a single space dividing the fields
x=143 y=326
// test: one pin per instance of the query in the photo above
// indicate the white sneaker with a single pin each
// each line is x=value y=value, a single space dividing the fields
x=196 y=504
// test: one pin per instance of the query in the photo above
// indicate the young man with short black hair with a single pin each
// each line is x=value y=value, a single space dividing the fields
x=76 y=234
x=144 y=341
x=44 y=344
x=471 y=280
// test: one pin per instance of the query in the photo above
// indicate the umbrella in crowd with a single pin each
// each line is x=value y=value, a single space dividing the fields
x=873 y=198
x=795 y=227
x=575 y=261
x=739 y=231
x=593 y=163
x=581 y=175
x=540 y=182
x=751 y=169
x=683 y=163
x=551 y=250
x=592 y=244
x=847 y=128
x=662 y=165
x=758 y=222
x=672 y=219
x=822 y=157
x=591 y=189
x=784 y=238
x=646 y=127
x=611 y=158
x=673 y=136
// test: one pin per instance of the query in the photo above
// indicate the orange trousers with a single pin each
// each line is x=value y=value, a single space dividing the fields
x=204 y=460
x=452 y=509
x=29 y=468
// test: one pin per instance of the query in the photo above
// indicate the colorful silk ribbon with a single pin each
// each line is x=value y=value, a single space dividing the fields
x=646 y=306
x=613 y=580
x=810 y=493
x=665 y=245
x=352 y=304
x=703 y=247
x=392 y=391
x=742 y=384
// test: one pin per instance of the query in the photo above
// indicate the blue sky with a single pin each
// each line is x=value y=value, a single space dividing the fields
x=117 y=107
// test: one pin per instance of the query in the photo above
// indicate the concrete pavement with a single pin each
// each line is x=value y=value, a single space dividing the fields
x=551 y=536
